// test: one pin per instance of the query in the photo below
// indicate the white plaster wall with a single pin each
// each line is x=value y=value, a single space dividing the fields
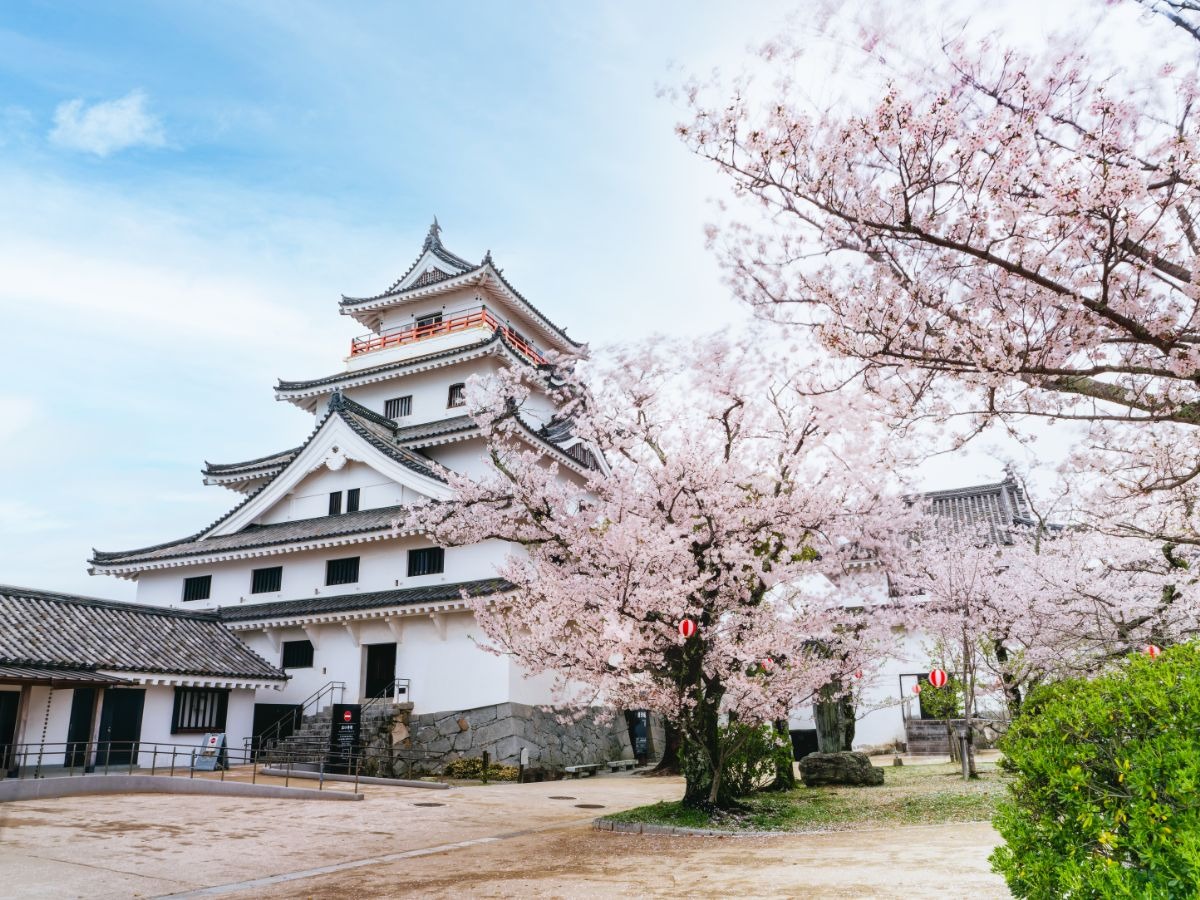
x=383 y=565
x=309 y=499
x=534 y=690
x=466 y=457
x=430 y=390
x=156 y=724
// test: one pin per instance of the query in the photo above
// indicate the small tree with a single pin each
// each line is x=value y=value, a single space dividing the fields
x=1103 y=803
x=731 y=494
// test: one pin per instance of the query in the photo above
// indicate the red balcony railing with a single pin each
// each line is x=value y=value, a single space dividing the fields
x=479 y=317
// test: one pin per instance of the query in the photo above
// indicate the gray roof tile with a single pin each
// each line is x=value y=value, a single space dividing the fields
x=50 y=630
x=311 y=606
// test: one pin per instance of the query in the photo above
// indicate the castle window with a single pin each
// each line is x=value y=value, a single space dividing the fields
x=427 y=322
x=266 y=581
x=297 y=655
x=352 y=500
x=398 y=407
x=199 y=710
x=342 y=571
x=458 y=395
x=335 y=503
x=426 y=561
x=198 y=587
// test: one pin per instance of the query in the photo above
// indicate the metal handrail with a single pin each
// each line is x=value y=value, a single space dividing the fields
x=391 y=693
x=262 y=740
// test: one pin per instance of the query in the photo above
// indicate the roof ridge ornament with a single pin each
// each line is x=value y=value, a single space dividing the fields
x=433 y=239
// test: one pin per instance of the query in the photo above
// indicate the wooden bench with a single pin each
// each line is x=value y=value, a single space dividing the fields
x=620 y=765
x=587 y=769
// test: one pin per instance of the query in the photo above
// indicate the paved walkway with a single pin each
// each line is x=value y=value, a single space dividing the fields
x=495 y=841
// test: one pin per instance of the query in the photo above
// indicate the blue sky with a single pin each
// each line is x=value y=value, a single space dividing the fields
x=188 y=187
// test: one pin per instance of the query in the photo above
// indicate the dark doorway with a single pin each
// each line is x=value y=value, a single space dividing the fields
x=120 y=725
x=381 y=669
x=804 y=742
x=10 y=702
x=79 y=728
x=274 y=721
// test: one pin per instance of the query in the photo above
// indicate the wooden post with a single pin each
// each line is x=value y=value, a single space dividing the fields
x=487 y=759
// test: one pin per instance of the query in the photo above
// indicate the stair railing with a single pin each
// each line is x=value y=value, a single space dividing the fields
x=269 y=737
x=399 y=690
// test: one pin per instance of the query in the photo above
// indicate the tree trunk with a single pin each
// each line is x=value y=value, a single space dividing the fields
x=785 y=771
x=952 y=739
x=669 y=764
x=833 y=712
x=1012 y=692
x=701 y=755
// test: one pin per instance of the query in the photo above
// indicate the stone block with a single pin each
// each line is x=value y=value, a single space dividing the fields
x=839 y=768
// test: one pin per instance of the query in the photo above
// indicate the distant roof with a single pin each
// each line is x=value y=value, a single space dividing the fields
x=1000 y=507
x=311 y=606
x=457 y=267
x=44 y=632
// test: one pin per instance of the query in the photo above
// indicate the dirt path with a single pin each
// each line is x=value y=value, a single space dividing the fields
x=496 y=841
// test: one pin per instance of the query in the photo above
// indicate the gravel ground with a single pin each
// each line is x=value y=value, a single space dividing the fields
x=495 y=841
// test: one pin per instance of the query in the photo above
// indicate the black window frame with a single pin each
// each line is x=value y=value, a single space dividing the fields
x=457 y=395
x=199 y=710
x=268 y=580
x=345 y=565
x=434 y=318
x=335 y=503
x=398 y=407
x=426 y=561
x=301 y=658
x=352 y=499
x=192 y=590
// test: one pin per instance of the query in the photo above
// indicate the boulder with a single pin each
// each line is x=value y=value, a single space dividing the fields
x=839 y=768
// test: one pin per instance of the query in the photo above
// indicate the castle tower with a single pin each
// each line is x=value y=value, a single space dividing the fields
x=314 y=567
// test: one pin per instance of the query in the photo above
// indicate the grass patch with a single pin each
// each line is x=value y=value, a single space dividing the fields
x=911 y=795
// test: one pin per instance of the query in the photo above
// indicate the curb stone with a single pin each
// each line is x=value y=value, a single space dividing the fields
x=603 y=824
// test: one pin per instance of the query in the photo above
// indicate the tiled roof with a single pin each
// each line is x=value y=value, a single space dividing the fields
x=998 y=507
x=312 y=606
x=415 y=362
x=263 y=462
x=433 y=242
x=369 y=425
x=49 y=630
x=414 y=434
x=258 y=536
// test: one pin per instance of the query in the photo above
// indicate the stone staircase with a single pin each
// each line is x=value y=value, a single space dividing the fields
x=309 y=743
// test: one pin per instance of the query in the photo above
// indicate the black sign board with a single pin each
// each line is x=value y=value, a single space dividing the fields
x=639 y=732
x=345 y=733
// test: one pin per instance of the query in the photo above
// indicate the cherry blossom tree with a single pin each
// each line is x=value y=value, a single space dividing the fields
x=1013 y=608
x=994 y=235
x=728 y=498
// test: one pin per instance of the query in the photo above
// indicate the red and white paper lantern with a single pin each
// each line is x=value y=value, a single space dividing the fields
x=1153 y=651
x=916 y=688
x=687 y=627
x=937 y=678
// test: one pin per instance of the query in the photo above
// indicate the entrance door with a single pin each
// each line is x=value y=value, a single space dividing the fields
x=120 y=725
x=79 y=728
x=381 y=669
x=10 y=702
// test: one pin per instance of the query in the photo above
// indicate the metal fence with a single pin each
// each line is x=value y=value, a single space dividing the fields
x=72 y=759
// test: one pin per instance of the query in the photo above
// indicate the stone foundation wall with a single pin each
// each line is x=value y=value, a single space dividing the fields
x=505 y=729
x=397 y=743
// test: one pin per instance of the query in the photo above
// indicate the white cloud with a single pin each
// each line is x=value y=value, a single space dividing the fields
x=108 y=126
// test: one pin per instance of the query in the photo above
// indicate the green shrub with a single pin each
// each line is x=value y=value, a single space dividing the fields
x=1105 y=798
x=472 y=767
x=753 y=754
